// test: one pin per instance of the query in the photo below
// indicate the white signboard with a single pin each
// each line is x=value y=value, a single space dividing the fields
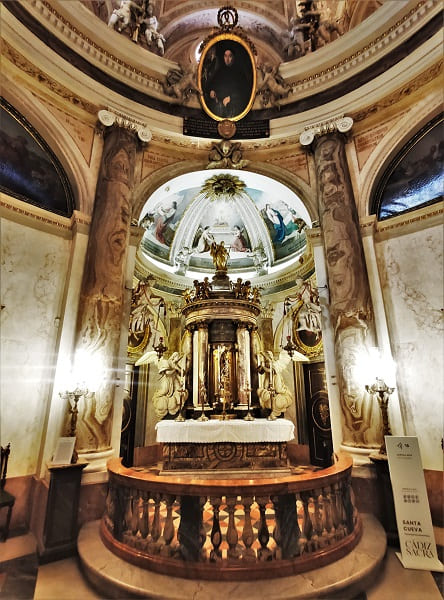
x=415 y=530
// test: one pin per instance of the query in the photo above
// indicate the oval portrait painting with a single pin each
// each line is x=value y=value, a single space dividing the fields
x=227 y=78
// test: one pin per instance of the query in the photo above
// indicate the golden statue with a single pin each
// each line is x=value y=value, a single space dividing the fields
x=219 y=255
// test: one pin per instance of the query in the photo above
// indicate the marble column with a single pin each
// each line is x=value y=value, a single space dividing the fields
x=350 y=302
x=243 y=362
x=101 y=306
x=195 y=367
x=200 y=351
x=254 y=351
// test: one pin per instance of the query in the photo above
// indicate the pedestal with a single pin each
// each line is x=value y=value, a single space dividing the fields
x=61 y=529
x=388 y=516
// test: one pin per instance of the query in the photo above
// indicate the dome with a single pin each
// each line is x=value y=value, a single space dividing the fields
x=260 y=220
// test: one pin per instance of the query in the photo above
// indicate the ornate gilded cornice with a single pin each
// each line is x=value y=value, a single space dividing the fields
x=65 y=21
x=403 y=92
x=19 y=61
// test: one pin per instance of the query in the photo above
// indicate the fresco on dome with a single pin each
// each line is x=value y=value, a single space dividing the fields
x=162 y=221
x=227 y=220
x=285 y=226
x=28 y=169
x=416 y=177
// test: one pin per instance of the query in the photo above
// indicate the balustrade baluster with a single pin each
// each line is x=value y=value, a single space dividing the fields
x=155 y=527
x=307 y=530
x=277 y=554
x=347 y=504
x=339 y=512
x=188 y=533
x=232 y=535
x=135 y=501
x=287 y=533
x=168 y=528
x=202 y=530
x=247 y=532
x=264 y=553
x=320 y=521
x=216 y=533
x=143 y=521
x=128 y=515
x=328 y=515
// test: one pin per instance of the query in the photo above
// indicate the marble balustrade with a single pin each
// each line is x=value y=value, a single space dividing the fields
x=230 y=529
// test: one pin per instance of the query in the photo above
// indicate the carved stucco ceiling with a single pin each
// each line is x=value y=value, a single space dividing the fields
x=261 y=221
x=266 y=22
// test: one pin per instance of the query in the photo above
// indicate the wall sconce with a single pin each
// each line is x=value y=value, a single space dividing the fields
x=74 y=397
x=382 y=392
x=160 y=348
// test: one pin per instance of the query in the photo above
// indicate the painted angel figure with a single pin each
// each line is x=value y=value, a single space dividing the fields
x=273 y=393
x=166 y=398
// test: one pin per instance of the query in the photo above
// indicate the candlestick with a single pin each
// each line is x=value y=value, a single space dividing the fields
x=203 y=397
x=248 y=416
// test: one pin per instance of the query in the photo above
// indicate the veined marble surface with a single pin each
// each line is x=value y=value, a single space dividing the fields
x=411 y=269
x=33 y=274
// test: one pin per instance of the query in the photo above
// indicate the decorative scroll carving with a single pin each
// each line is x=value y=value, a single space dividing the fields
x=226 y=155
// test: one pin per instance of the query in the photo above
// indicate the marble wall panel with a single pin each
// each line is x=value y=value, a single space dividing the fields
x=411 y=270
x=33 y=274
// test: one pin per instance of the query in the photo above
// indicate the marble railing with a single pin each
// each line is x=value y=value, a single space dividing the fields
x=231 y=528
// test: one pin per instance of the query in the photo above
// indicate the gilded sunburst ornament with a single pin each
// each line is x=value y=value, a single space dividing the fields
x=223 y=186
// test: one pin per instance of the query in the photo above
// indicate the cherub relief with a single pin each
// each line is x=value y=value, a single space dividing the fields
x=226 y=155
x=271 y=86
x=181 y=83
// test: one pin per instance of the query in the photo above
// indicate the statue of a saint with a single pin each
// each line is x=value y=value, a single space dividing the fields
x=219 y=255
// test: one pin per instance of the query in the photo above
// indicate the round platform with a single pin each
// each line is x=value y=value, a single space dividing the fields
x=342 y=579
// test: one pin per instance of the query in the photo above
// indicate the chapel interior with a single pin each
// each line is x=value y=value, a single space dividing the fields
x=221 y=298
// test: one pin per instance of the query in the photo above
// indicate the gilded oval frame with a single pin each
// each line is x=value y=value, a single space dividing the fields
x=308 y=344
x=213 y=51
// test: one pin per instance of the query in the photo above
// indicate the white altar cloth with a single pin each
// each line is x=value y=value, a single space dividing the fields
x=235 y=430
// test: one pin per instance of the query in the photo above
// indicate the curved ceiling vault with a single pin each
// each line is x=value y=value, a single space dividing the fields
x=260 y=220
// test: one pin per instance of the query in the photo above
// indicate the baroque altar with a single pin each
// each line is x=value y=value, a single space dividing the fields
x=225 y=444
x=224 y=451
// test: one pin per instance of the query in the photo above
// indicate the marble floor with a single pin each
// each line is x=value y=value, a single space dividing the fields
x=21 y=578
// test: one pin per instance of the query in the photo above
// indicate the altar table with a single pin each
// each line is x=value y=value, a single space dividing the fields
x=232 y=444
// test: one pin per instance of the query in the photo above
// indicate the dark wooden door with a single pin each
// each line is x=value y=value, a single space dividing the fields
x=318 y=415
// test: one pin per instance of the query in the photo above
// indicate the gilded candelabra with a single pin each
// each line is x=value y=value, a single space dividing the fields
x=382 y=393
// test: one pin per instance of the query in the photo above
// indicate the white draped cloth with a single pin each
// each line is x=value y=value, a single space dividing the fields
x=236 y=430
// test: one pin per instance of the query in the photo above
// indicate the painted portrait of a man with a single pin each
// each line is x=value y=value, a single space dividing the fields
x=227 y=78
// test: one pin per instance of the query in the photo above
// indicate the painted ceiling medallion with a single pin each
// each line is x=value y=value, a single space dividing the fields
x=223 y=186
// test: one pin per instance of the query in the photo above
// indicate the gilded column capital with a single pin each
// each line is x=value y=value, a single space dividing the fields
x=109 y=118
x=340 y=124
